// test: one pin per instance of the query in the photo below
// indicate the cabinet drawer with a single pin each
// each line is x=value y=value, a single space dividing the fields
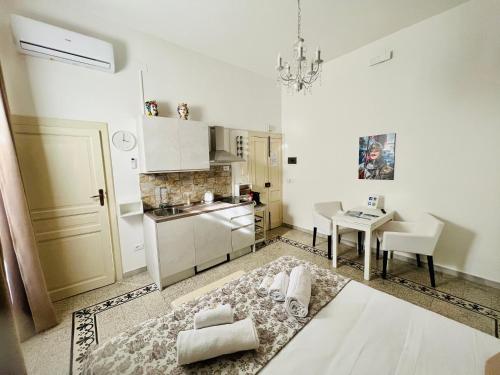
x=243 y=237
x=241 y=221
x=235 y=212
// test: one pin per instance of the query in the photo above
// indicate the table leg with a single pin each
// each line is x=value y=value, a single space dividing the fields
x=368 y=251
x=334 y=246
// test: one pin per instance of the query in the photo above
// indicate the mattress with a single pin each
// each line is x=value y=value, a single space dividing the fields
x=365 y=331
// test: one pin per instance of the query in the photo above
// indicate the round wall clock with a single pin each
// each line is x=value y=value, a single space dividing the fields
x=124 y=140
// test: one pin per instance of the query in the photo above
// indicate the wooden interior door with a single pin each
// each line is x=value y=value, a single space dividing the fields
x=63 y=172
x=258 y=166
x=275 y=180
x=265 y=173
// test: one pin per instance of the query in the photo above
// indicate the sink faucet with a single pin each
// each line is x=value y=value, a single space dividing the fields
x=163 y=196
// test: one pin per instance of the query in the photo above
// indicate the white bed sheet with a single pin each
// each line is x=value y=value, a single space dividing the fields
x=365 y=331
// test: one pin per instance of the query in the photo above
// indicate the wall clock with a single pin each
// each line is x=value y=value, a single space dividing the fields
x=124 y=140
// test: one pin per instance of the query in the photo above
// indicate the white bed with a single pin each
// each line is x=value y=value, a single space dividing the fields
x=364 y=331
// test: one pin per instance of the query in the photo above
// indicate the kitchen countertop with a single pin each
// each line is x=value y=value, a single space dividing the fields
x=200 y=208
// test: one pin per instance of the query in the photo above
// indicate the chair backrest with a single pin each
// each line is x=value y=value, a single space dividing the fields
x=430 y=226
x=328 y=208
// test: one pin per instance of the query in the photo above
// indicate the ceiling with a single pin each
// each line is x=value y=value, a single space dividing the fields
x=250 y=33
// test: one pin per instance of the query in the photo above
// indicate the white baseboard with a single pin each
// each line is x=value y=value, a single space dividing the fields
x=445 y=270
x=134 y=272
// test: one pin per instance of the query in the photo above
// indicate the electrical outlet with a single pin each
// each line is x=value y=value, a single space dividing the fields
x=139 y=247
x=226 y=168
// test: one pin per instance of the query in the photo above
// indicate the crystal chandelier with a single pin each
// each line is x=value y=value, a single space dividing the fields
x=299 y=74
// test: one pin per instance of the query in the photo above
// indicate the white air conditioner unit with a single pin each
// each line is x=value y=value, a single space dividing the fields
x=51 y=42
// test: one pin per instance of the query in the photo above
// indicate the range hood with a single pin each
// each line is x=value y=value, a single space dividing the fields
x=220 y=147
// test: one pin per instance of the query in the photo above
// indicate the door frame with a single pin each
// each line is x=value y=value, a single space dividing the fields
x=102 y=127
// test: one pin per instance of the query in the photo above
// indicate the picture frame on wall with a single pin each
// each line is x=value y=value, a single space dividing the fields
x=377 y=154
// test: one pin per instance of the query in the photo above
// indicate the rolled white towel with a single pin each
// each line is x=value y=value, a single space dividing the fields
x=200 y=344
x=222 y=314
x=298 y=294
x=278 y=288
x=263 y=289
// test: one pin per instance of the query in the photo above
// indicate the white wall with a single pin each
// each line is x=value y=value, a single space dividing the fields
x=441 y=95
x=216 y=92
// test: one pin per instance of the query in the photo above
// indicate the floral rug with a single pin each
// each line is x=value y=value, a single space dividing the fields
x=150 y=348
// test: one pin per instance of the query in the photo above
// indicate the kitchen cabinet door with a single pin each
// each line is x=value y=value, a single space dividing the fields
x=159 y=144
x=212 y=234
x=176 y=247
x=194 y=145
x=243 y=237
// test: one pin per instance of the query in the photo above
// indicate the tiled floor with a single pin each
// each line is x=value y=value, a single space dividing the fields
x=49 y=352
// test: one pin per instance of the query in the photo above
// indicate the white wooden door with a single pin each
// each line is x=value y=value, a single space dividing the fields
x=63 y=171
x=194 y=148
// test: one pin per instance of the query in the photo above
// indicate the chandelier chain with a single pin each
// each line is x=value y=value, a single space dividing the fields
x=299 y=19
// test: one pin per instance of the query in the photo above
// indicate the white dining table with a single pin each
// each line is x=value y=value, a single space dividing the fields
x=367 y=224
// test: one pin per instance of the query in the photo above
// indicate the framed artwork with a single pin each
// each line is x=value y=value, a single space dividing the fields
x=376 y=157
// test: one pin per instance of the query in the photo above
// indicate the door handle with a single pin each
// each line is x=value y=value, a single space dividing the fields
x=100 y=196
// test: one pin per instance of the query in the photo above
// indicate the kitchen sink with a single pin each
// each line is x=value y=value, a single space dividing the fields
x=168 y=211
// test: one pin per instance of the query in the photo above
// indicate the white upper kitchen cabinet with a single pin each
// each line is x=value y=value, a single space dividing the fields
x=170 y=144
x=194 y=145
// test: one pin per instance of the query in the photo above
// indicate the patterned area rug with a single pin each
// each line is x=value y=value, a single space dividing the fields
x=85 y=330
x=151 y=346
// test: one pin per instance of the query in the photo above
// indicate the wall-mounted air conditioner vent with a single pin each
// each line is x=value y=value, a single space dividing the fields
x=51 y=42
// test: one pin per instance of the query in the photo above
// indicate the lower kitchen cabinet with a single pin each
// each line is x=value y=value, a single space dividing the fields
x=170 y=249
x=176 y=248
x=212 y=237
x=243 y=237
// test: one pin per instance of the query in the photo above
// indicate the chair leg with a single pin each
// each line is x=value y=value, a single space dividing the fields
x=360 y=243
x=315 y=231
x=378 y=248
x=430 y=263
x=329 y=247
x=384 y=264
x=419 y=263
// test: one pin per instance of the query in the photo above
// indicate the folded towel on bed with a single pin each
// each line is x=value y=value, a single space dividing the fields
x=199 y=344
x=263 y=289
x=298 y=294
x=278 y=288
x=222 y=314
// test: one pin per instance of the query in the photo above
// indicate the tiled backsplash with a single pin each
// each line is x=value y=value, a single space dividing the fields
x=217 y=180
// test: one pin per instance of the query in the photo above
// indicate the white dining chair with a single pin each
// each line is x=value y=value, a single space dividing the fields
x=419 y=237
x=323 y=224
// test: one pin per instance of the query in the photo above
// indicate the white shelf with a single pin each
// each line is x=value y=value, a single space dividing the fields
x=128 y=209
